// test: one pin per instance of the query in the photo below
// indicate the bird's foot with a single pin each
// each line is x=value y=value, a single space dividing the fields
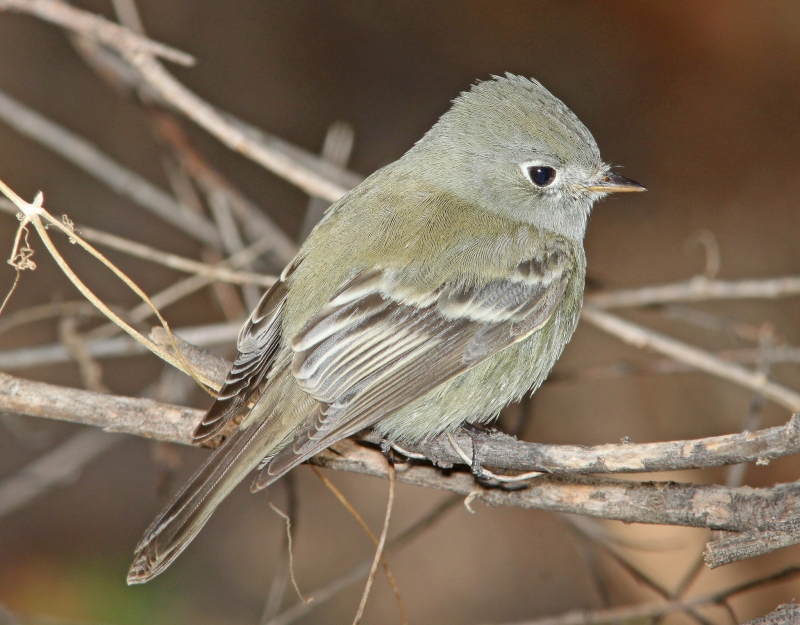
x=480 y=438
x=396 y=454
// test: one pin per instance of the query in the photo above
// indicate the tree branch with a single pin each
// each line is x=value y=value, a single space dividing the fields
x=300 y=167
x=716 y=507
x=785 y=614
x=750 y=544
x=503 y=451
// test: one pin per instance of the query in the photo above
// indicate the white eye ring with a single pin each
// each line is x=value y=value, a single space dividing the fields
x=540 y=175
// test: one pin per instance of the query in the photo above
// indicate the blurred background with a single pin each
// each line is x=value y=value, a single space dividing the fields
x=697 y=100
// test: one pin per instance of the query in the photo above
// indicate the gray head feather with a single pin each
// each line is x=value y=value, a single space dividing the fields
x=481 y=149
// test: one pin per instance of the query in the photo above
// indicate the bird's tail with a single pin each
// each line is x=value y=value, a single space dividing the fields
x=180 y=522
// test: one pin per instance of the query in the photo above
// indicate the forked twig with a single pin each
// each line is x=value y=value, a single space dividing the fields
x=360 y=520
x=173 y=261
x=33 y=213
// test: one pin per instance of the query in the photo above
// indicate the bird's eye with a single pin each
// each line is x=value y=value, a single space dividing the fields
x=541 y=176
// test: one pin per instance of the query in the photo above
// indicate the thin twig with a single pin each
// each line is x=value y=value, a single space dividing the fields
x=667 y=366
x=336 y=149
x=305 y=171
x=582 y=525
x=20 y=260
x=223 y=216
x=121 y=180
x=361 y=570
x=697 y=289
x=89 y=369
x=658 y=608
x=280 y=577
x=301 y=168
x=379 y=550
x=644 y=338
x=128 y=15
x=360 y=520
x=226 y=295
x=710 y=321
x=735 y=474
x=173 y=261
x=96 y=27
x=46 y=311
x=183 y=288
x=288 y=522
x=255 y=223
x=59 y=466
x=118 y=347
x=34 y=213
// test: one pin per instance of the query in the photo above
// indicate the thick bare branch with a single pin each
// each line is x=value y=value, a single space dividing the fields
x=501 y=450
x=716 y=507
x=662 y=503
x=496 y=449
x=113 y=413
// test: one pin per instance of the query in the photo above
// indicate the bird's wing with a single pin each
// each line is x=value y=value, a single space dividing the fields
x=257 y=345
x=373 y=349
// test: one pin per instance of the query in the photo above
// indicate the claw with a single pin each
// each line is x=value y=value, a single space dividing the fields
x=475 y=465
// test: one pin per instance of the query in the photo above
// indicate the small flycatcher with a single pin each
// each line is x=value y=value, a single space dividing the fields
x=442 y=288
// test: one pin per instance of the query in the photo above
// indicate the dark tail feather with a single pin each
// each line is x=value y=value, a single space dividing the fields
x=175 y=528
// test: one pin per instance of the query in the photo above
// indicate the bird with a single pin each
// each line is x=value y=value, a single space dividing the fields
x=442 y=288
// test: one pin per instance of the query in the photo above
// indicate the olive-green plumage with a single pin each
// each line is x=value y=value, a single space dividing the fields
x=439 y=290
x=448 y=240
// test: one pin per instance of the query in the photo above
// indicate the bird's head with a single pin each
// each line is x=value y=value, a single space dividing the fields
x=509 y=146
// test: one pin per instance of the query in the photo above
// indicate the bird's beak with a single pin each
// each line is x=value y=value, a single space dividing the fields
x=613 y=183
